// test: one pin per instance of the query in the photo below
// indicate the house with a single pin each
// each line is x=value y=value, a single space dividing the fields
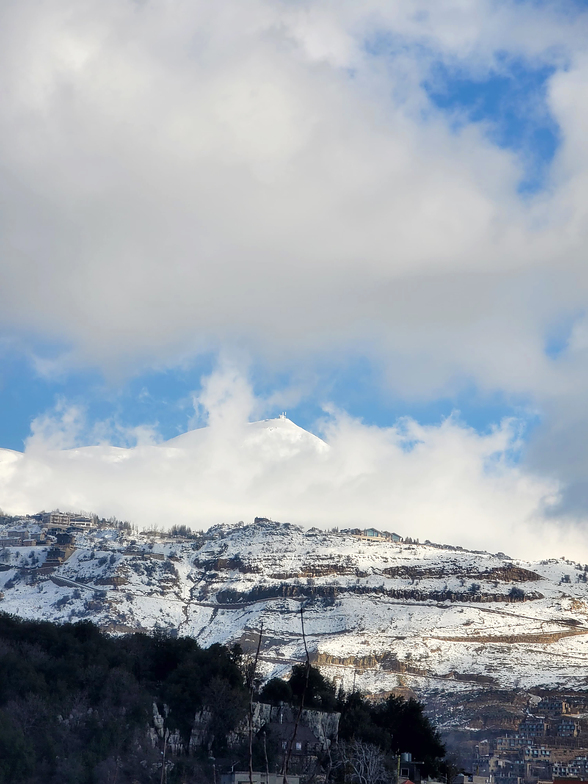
x=115 y=580
x=371 y=533
x=367 y=533
x=305 y=743
x=155 y=556
x=58 y=554
x=10 y=541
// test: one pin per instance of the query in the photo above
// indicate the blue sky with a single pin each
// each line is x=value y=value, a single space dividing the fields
x=164 y=399
x=510 y=103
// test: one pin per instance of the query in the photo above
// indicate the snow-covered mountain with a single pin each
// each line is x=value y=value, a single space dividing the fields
x=382 y=614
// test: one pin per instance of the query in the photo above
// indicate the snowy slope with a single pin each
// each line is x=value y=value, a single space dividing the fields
x=383 y=614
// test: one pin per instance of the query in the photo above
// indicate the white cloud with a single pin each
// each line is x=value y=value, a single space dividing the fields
x=185 y=176
x=60 y=429
x=179 y=177
x=444 y=482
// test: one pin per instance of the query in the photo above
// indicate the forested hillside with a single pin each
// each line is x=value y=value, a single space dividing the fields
x=80 y=707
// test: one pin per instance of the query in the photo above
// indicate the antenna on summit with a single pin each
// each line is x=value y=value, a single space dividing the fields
x=283 y=415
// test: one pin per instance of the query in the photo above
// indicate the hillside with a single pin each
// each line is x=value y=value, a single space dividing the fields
x=381 y=614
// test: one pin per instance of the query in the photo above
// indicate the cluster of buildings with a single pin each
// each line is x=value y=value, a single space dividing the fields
x=14 y=537
x=550 y=743
x=25 y=531
x=66 y=520
x=52 y=530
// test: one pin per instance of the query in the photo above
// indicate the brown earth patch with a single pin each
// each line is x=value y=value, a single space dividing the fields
x=542 y=638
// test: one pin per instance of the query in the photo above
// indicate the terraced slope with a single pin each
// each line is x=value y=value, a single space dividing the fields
x=383 y=615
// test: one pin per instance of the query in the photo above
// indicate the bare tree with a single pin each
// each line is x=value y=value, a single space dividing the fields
x=364 y=762
x=251 y=685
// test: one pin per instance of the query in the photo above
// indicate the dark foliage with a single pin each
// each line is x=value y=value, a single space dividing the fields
x=276 y=691
x=320 y=694
x=75 y=705
x=394 y=725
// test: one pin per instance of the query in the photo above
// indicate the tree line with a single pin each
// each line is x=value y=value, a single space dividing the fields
x=77 y=707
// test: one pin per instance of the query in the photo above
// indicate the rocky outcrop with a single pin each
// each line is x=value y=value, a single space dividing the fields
x=387 y=662
x=505 y=574
x=324 y=725
x=331 y=592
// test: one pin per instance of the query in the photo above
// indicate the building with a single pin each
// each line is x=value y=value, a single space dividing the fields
x=509 y=743
x=57 y=555
x=533 y=728
x=553 y=705
x=55 y=519
x=10 y=541
x=258 y=778
x=532 y=753
x=408 y=771
x=482 y=749
x=305 y=743
x=79 y=521
x=576 y=768
x=567 y=728
x=17 y=538
x=373 y=534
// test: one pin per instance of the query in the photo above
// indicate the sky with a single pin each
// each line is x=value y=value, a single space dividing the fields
x=369 y=215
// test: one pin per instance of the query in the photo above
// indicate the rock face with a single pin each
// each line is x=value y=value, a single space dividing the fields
x=384 y=616
x=325 y=726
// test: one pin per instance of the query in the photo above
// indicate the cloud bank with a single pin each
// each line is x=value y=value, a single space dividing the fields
x=179 y=177
x=444 y=483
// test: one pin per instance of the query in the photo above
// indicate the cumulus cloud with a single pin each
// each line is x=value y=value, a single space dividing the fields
x=444 y=482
